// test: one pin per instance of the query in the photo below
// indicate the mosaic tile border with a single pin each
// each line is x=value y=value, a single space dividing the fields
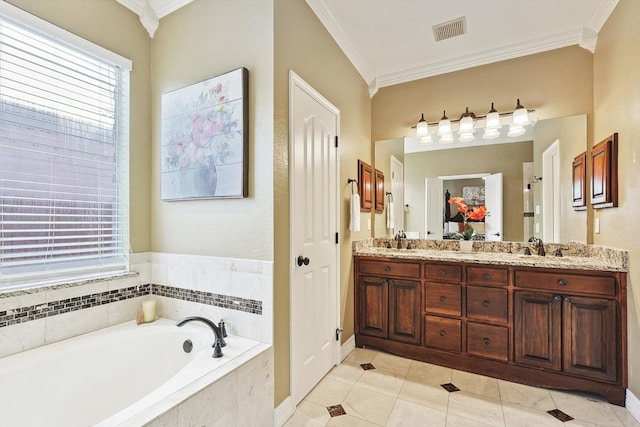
x=54 y=308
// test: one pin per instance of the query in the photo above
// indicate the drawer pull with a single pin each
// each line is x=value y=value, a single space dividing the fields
x=568 y=299
x=387 y=268
x=487 y=304
x=486 y=341
x=442 y=298
x=442 y=273
x=486 y=276
x=557 y=298
x=443 y=333
x=562 y=282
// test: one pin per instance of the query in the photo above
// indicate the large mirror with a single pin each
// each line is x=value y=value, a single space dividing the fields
x=536 y=184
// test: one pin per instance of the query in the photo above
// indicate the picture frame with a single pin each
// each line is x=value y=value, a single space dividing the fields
x=205 y=139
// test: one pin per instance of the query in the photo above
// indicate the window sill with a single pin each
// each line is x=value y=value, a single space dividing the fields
x=34 y=288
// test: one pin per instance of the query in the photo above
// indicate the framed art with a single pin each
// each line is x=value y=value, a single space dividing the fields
x=205 y=139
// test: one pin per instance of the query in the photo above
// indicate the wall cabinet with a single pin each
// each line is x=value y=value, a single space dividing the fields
x=543 y=327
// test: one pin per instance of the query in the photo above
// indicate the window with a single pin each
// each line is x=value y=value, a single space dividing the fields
x=64 y=154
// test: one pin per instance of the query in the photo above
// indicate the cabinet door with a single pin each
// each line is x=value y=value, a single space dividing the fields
x=537 y=331
x=404 y=311
x=589 y=337
x=373 y=312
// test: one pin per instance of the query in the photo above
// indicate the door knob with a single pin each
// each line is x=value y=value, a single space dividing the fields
x=497 y=234
x=302 y=260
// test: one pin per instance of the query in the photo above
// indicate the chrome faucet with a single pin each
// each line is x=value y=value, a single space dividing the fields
x=539 y=245
x=217 y=330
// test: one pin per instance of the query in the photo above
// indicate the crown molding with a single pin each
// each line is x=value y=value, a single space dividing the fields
x=530 y=47
x=150 y=11
x=333 y=27
x=601 y=14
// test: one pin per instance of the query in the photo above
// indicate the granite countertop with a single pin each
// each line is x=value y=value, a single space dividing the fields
x=575 y=255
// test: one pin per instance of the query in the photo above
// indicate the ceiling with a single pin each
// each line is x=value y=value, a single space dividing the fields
x=392 y=41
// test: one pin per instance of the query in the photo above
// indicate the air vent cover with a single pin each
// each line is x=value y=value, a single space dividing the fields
x=446 y=30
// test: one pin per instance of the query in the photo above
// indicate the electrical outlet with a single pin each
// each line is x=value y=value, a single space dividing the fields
x=596 y=225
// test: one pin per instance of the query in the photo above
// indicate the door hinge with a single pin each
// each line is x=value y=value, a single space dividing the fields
x=336 y=141
x=338 y=332
x=337 y=239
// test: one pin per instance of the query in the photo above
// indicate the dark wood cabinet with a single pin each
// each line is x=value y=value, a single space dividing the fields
x=561 y=328
x=604 y=173
x=579 y=188
x=365 y=185
x=379 y=193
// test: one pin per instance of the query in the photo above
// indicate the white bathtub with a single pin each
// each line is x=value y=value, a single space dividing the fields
x=123 y=375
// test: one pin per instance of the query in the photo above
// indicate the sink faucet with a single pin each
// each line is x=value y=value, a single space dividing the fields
x=399 y=238
x=538 y=245
x=219 y=341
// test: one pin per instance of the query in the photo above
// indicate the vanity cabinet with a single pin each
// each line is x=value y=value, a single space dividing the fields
x=550 y=327
x=389 y=301
x=572 y=329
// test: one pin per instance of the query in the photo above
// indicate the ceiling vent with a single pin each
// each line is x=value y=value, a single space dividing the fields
x=446 y=30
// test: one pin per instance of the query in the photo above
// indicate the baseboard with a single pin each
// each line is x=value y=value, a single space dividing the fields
x=283 y=412
x=633 y=405
x=347 y=347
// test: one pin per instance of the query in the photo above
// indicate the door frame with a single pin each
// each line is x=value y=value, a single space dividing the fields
x=297 y=81
x=551 y=193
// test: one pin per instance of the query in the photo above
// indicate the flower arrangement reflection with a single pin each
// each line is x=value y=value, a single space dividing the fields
x=475 y=213
x=200 y=136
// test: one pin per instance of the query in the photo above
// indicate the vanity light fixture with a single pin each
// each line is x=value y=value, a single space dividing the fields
x=466 y=127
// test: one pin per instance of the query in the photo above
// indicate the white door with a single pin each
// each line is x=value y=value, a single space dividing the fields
x=397 y=190
x=433 y=208
x=314 y=125
x=493 y=202
x=551 y=193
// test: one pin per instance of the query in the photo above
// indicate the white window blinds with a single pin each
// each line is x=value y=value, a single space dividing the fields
x=63 y=157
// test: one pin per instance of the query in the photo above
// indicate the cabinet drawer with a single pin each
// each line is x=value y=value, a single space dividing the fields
x=446 y=272
x=443 y=298
x=487 y=304
x=443 y=333
x=566 y=282
x=389 y=268
x=488 y=275
x=488 y=341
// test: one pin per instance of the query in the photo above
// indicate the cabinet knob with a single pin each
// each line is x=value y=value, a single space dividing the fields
x=486 y=276
x=487 y=304
x=557 y=298
x=562 y=282
x=442 y=273
x=442 y=298
x=486 y=341
x=387 y=268
x=568 y=299
x=443 y=333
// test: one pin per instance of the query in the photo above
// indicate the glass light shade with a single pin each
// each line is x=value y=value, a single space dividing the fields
x=493 y=121
x=490 y=133
x=422 y=128
x=444 y=127
x=425 y=140
x=446 y=138
x=466 y=136
x=466 y=125
x=516 y=130
x=520 y=115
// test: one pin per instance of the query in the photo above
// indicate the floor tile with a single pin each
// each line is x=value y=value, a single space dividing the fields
x=361 y=355
x=520 y=416
x=381 y=381
x=408 y=414
x=391 y=363
x=473 y=406
x=476 y=384
x=588 y=409
x=369 y=405
x=429 y=395
x=309 y=414
x=624 y=416
x=458 y=421
x=527 y=396
x=346 y=372
x=329 y=392
x=349 y=421
x=427 y=373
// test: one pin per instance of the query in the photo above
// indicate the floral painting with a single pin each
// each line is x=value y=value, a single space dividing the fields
x=474 y=196
x=205 y=140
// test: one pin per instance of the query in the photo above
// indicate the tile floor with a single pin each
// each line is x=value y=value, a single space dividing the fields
x=395 y=391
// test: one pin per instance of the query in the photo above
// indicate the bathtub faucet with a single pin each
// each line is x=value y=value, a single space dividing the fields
x=218 y=343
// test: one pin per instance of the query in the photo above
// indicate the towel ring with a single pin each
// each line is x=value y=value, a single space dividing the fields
x=352 y=181
x=390 y=196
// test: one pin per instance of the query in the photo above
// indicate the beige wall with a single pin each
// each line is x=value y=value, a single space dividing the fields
x=95 y=21
x=616 y=109
x=192 y=44
x=304 y=46
x=488 y=158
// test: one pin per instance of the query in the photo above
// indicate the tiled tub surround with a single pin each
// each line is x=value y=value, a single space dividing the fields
x=239 y=291
x=162 y=384
x=574 y=255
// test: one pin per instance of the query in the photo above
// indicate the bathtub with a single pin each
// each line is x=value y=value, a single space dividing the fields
x=123 y=375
